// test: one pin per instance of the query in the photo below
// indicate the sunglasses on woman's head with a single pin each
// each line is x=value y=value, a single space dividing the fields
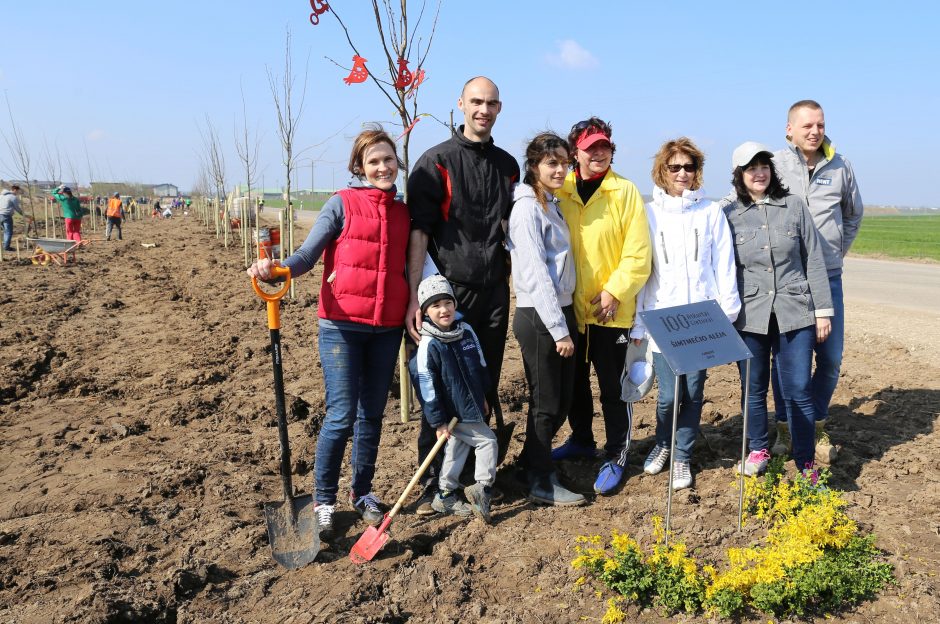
x=689 y=168
x=581 y=126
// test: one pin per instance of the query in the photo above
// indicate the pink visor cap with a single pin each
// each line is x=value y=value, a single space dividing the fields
x=589 y=137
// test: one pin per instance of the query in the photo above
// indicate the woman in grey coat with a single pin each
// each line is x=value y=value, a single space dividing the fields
x=785 y=299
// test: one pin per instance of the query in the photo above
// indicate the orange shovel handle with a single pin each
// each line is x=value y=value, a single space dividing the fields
x=273 y=299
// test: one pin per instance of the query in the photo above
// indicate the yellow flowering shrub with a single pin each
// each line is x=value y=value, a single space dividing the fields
x=811 y=558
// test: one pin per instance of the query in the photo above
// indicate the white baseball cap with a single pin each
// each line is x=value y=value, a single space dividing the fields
x=745 y=153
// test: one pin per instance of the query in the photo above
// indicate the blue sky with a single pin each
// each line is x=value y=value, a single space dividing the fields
x=133 y=81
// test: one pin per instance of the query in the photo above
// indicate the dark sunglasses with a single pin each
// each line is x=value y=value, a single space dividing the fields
x=689 y=168
x=581 y=126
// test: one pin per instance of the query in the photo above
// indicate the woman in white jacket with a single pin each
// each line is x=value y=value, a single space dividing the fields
x=693 y=260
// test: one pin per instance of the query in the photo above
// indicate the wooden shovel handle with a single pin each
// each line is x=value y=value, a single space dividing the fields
x=421 y=470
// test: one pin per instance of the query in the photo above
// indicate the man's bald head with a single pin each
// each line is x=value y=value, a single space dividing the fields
x=479 y=102
x=483 y=80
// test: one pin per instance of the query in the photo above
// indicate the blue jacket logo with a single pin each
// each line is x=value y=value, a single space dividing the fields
x=823 y=181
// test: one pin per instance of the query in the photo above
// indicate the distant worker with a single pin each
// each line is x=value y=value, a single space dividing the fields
x=10 y=203
x=115 y=216
x=167 y=212
x=155 y=213
x=71 y=210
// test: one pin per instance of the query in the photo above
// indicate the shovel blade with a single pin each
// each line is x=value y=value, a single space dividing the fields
x=370 y=543
x=292 y=531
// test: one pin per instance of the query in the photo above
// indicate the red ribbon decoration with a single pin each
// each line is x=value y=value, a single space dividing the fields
x=419 y=78
x=408 y=129
x=358 y=73
x=404 y=76
x=319 y=8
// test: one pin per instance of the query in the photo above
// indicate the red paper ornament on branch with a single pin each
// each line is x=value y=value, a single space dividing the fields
x=404 y=76
x=358 y=73
x=419 y=78
x=408 y=129
x=319 y=8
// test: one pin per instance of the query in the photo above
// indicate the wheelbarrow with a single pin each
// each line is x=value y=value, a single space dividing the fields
x=58 y=251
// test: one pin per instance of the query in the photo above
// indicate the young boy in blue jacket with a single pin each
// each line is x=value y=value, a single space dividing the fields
x=451 y=382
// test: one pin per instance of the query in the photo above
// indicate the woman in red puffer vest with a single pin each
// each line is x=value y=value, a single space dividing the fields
x=362 y=233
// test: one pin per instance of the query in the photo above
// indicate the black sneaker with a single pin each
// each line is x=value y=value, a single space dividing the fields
x=369 y=507
x=549 y=491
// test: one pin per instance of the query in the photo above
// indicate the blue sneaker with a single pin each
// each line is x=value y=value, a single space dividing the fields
x=608 y=478
x=572 y=450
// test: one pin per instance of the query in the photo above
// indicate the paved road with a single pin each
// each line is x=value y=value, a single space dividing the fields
x=904 y=285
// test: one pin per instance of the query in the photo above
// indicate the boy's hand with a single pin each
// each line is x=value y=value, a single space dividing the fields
x=442 y=432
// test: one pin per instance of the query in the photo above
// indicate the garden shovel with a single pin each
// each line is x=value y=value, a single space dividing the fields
x=372 y=541
x=292 y=524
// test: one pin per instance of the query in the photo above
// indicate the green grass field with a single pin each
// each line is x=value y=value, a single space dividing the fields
x=309 y=202
x=913 y=236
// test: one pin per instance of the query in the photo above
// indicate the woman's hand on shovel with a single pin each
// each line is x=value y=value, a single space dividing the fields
x=261 y=269
x=443 y=431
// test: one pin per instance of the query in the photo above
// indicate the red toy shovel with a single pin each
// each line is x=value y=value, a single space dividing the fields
x=372 y=541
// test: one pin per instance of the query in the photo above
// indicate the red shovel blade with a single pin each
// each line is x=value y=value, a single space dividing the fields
x=370 y=543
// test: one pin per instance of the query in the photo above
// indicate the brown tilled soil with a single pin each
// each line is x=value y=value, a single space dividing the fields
x=138 y=444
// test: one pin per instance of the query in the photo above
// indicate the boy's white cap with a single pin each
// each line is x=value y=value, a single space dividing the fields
x=434 y=288
x=638 y=375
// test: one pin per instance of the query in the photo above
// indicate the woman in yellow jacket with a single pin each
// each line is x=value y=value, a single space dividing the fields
x=611 y=249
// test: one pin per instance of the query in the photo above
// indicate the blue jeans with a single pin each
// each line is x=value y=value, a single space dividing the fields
x=828 y=360
x=793 y=351
x=7 y=231
x=357 y=368
x=692 y=387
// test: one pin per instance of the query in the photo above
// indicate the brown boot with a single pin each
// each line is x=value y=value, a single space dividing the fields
x=826 y=451
x=783 y=442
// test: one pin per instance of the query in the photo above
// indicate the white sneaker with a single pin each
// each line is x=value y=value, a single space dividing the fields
x=755 y=464
x=325 y=520
x=656 y=460
x=681 y=475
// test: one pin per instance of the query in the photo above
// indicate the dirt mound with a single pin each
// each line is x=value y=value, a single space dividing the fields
x=139 y=444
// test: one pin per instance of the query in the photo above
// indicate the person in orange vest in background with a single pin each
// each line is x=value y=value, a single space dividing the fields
x=115 y=215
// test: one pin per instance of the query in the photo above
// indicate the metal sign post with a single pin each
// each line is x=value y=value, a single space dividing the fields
x=695 y=337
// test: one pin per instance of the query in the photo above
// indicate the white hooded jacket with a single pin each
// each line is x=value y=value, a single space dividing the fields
x=693 y=257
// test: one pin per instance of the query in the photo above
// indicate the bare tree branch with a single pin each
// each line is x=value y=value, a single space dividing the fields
x=21 y=156
x=247 y=150
x=352 y=45
x=282 y=89
x=213 y=157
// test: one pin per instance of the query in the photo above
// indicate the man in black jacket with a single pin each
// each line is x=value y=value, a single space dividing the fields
x=459 y=195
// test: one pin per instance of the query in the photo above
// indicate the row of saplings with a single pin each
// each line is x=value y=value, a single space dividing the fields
x=811 y=561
